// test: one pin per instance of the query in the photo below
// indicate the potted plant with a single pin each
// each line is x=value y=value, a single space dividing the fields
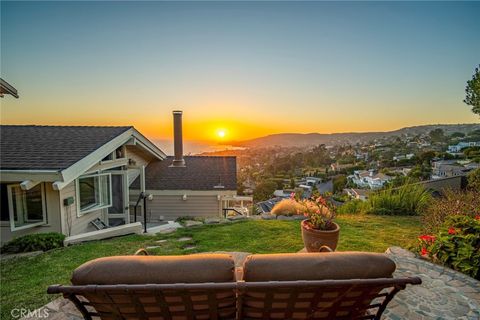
x=319 y=229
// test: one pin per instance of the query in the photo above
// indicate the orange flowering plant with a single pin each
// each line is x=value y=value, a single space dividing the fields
x=319 y=212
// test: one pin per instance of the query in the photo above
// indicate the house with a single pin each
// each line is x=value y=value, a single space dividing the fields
x=472 y=166
x=196 y=189
x=284 y=194
x=369 y=179
x=341 y=167
x=363 y=156
x=312 y=181
x=448 y=170
x=267 y=205
x=408 y=156
x=325 y=187
x=359 y=194
x=72 y=179
x=60 y=179
x=453 y=149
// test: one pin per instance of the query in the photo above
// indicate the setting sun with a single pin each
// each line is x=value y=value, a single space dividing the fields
x=221 y=133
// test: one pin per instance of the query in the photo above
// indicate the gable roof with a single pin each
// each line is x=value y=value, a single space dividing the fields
x=59 y=153
x=199 y=173
x=50 y=147
x=7 y=88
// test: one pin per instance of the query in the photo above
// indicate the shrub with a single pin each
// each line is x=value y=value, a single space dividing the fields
x=473 y=179
x=455 y=245
x=352 y=206
x=34 y=242
x=409 y=199
x=286 y=207
x=452 y=203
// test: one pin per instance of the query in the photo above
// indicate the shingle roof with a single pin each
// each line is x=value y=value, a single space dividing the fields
x=199 y=173
x=50 y=147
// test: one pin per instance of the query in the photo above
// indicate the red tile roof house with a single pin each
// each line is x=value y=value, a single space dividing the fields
x=61 y=178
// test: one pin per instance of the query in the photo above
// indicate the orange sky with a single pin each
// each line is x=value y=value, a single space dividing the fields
x=250 y=68
x=203 y=124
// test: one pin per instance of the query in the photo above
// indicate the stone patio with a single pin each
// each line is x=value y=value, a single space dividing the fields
x=444 y=293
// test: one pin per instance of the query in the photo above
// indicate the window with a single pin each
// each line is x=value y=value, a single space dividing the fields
x=93 y=192
x=26 y=207
x=5 y=215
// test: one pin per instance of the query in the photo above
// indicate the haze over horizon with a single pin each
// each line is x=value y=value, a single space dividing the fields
x=239 y=70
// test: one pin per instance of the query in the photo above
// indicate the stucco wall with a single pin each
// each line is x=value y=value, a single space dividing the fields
x=53 y=218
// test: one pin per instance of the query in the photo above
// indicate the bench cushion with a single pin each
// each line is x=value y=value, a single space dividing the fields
x=317 y=266
x=156 y=270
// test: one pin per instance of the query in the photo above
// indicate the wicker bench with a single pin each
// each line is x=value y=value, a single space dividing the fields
x=340 y=285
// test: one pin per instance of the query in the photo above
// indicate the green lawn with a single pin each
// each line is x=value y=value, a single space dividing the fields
x=24 y=280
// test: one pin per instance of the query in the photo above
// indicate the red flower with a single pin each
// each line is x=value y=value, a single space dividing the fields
x=424 y=251
x=452 y=230
x=427 y=238
x=477 y=217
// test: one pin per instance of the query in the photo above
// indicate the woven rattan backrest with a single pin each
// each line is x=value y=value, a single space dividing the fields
x=322 y=299
x=176 y=302
x=347 y=299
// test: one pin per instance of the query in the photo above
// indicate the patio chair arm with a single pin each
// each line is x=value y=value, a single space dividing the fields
x=141 y=251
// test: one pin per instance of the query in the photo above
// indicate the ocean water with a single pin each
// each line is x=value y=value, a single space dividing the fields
x=193 y=147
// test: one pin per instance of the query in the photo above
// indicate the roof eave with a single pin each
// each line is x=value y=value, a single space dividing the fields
x=71 y=173
x=7 y=88
x=33 y=175
x=148 y=145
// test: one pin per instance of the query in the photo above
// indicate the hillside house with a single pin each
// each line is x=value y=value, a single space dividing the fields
x=453 y=149
x=369 y=179
x=447 y=169
x=358 y=194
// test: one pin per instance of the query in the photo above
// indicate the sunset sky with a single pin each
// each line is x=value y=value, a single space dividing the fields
x=244 y=69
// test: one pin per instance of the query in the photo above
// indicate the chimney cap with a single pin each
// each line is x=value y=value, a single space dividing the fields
x=177 y=112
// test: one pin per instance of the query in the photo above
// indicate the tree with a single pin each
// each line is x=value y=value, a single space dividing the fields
x=437 y=135
x=425 y=157
x=420 y=172
x=339 y=183
x=292 y=183
x=264 y=190
x=457 y=135
x=474 y=179
x=472 y=92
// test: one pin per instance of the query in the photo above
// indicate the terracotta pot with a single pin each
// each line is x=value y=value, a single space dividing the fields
x=313 y=239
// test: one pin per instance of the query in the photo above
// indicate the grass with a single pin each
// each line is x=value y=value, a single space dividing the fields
x=24 y=280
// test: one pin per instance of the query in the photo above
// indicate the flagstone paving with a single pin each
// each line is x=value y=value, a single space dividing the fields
x=443 y=294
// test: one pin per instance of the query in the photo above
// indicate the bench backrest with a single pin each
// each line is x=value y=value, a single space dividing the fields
x=124 y=292
x=273 y=287
x=349 y=282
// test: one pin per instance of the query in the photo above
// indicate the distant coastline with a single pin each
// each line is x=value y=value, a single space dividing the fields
x=305 y=139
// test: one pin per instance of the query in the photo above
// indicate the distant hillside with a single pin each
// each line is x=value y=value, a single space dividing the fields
x=308 y=139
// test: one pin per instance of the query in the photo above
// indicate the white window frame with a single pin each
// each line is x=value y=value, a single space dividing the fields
x=80 y=212
x=11 y=209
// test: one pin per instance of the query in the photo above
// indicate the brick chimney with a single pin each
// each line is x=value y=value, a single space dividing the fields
x=178 y=161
